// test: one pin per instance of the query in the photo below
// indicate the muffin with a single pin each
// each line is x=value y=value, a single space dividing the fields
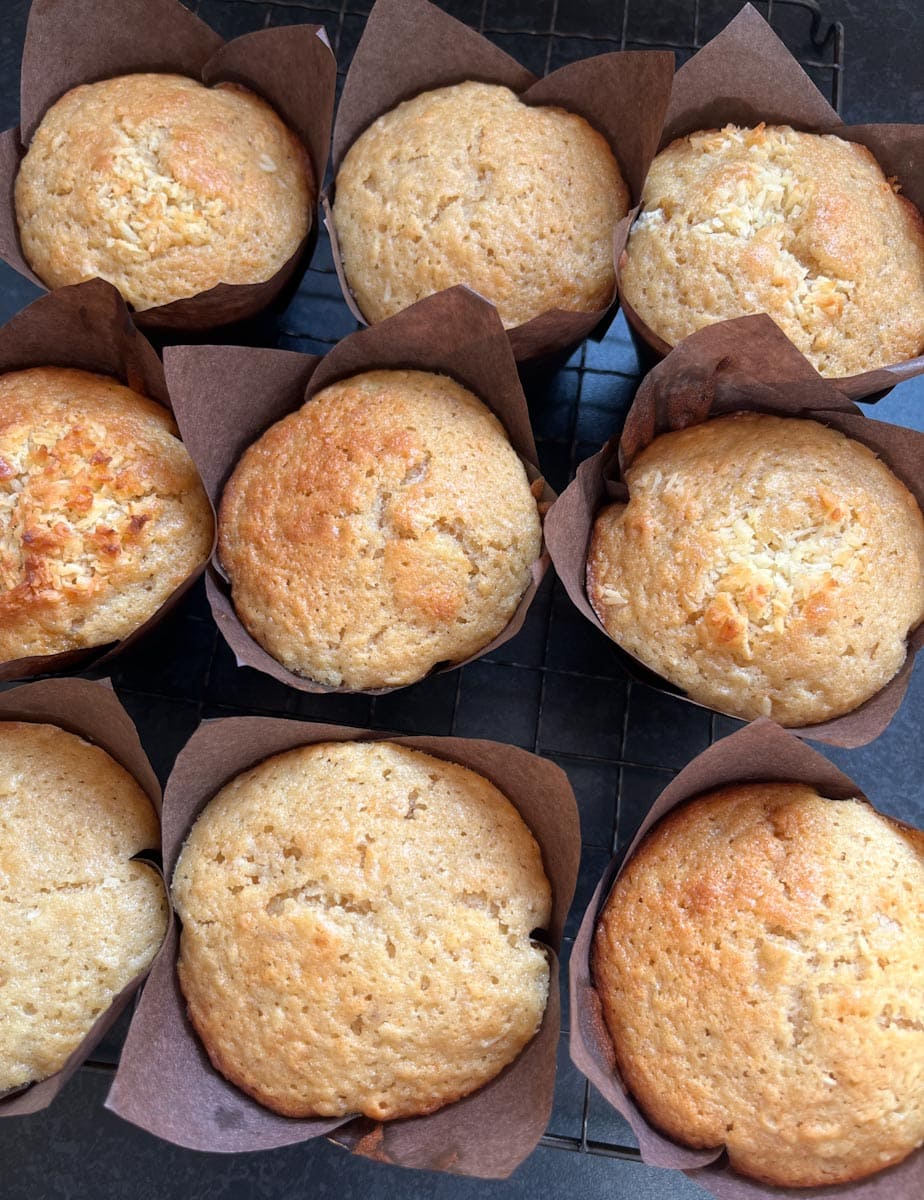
x=81 y=919
x=802 y=226
x=356 y=931
x=384 y=528
x=467 y=184
x=102 y=515
x=758 y=965
x=769 y=566
x=163 y=187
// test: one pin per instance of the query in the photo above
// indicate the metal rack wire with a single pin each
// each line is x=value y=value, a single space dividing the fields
x=557 y=688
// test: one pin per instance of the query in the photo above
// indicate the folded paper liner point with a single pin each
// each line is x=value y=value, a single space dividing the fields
x=86 y=326
x=745 y=75
x=411 y=46
x=90 y=710
x=760 y=752
x=165 y=1082
x=69 y=42
x=225 y=397
x=745 y=364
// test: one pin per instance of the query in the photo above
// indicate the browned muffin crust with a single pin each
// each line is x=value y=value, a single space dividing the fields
x=468 y=185
x=759 y=966
x=102 y=513
x=79 y=917
x=802 y=226
x=385 y=527
x=357 y=923
x=163 y=187
x=769 y=566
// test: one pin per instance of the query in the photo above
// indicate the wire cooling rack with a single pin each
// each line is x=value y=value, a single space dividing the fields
x=557 y=688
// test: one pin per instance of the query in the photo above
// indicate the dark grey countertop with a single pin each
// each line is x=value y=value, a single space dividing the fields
x=75 y=1148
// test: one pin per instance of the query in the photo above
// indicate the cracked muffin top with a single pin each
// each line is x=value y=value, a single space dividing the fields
x=357 y=923
x=384 y=528
x=759 y=966
x=102 y=513
x=80 y=918
x=467 y=184
x=163 y=187
x=769 y=566
x=804 y=227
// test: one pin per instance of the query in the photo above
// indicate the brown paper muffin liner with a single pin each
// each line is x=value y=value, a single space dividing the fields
x=746 y=364
x=88 y=327
x=761 y=752
x=165 y=1082
x=69 y=42
x=410 y=46
x=92 y=711
x=226 y=397
x=746 y=75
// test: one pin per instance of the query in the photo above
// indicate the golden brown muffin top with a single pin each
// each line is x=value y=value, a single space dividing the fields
x=385 y=527
x=768 y=566
x=467 y=184
x=356 y=931
x=759 y=966
x=102 y=514
x=80 y=919
x=163 y=187
x=802 y=226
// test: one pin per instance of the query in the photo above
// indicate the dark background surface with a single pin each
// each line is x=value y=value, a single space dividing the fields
x=556 y=688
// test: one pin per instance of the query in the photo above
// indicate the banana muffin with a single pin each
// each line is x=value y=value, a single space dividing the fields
x=102 y=514
x=163 y=187
x=467 y=184
x=80 y=918
x=356 y=931
x=385 y=527
x=769 y=566
x=802 y=226
x=758 y=964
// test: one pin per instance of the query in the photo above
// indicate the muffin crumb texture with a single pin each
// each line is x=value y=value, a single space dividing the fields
x=759 y=962
x=80 y=919
x=384 y=528
x=768 y=566
x=163 y=187
x=102 y=513
x=356 y=931
x=468 y=185
x=802 y=226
